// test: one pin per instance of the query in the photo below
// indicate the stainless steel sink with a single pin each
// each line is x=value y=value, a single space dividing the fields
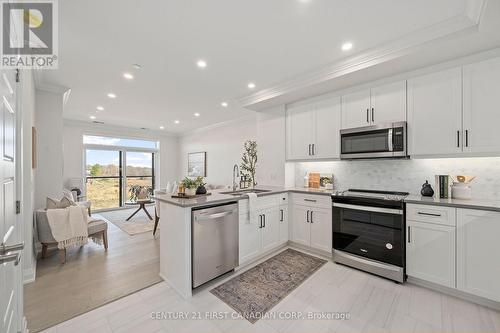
x=241 y=192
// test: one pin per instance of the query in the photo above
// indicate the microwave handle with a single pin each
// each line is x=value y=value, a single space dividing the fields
x=389 y=139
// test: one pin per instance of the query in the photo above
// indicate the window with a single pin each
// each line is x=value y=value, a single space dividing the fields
x=114 y=170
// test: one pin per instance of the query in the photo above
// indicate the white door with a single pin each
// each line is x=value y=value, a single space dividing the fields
x=388 y=103
x=250 y=238
x=435 y=113
x=356 y=109
x=10 y=268
x=299 y=129
x=321 y=229
x=481 y=111
x=430 y=252
x=271 y=229
x=327 y=129
x=301 y=228
x=283 y=224
x=478 y=253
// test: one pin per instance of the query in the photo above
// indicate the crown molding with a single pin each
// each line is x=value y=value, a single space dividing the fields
x=463 y=23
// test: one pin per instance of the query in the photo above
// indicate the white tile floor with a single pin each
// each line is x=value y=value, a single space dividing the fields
x=374 y=305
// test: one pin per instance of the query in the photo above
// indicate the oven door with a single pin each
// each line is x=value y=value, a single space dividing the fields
x=371 y=232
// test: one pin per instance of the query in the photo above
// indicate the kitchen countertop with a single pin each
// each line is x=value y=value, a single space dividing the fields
x=483 y=204
x=217 y=197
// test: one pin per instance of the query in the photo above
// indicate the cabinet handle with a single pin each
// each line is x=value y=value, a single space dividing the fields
x=373 y=114
x=281 y=215
x=312 y=217
x=409 y=235
x=313 y=152
x=310 y=200
x=264 y=219
x=466 y=138
x=309 y=149
x=307 y=214
x=458 y=139
x=428 y=214
x=367 y=115
x=260 y=221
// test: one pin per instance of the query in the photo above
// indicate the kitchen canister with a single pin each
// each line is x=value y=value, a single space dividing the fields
x=461 y=190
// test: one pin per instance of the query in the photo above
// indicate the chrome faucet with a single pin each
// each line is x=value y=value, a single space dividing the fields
x=236 y=173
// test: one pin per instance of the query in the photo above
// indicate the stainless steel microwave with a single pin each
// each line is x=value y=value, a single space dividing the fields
x=379 y=141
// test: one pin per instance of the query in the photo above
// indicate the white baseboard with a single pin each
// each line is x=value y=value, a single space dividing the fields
x=297 y=246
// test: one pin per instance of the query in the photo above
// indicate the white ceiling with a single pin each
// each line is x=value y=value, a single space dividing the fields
x=261 y=41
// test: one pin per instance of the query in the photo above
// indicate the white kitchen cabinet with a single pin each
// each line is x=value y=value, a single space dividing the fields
x=312 y=130
x=250 y=239
x=321 y=229
x=478 y=271
x=299 y=132
x=270 y=228
x=356 y=109
x=284 y=231
x=301 y=229
x=388 y=103
x=430 y=252
x=481 y=115
x=435 y=113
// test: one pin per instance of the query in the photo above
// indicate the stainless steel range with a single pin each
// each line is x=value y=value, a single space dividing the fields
x=369 y=231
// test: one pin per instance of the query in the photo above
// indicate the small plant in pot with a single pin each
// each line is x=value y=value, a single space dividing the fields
x=201 y=186
x=190 y=186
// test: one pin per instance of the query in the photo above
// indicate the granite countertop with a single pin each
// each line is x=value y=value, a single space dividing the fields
x=483 y=204
x=218 y=197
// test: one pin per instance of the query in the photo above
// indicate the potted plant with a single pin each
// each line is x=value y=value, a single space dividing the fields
x=249 y=161
x=190 y=186
x=139 y=192
x=201 y=186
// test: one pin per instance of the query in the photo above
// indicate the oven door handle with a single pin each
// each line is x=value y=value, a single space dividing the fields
x=369 y=208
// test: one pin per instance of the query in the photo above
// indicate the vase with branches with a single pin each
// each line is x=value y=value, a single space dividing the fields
x=249 y=161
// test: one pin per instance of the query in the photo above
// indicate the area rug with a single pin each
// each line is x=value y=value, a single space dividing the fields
x=259 y=289
x=138 y=224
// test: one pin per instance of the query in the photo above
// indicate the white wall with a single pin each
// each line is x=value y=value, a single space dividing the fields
x=49 y=126
x=73 y=151
x=408 y=175
x=223 y=144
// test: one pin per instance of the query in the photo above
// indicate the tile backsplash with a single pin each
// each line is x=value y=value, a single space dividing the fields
x=407 y=175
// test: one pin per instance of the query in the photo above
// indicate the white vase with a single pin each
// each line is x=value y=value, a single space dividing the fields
x=190 y=191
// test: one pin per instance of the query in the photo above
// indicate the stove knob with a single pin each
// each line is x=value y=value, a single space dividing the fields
x=388 y=246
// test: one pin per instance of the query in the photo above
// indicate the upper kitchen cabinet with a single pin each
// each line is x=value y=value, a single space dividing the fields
x=435 y=113
x=378 y=105
x=312 y=130
x=481 y=115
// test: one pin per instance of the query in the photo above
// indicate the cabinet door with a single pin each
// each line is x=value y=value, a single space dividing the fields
x=271 y=229
x=283 y=224
x=299 y=131
x=327 y=129
x=430 y=252
x=250 y=239
x=481 y=112
x=435 y=113
x=356 y=109
x=478 y=270
x=388 y=103
x=321 y=229
x=301 y=230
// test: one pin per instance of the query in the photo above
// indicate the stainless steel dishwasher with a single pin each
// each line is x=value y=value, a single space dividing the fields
x=215 y=242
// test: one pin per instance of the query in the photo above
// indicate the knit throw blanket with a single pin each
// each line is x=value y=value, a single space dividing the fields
x=69 y=226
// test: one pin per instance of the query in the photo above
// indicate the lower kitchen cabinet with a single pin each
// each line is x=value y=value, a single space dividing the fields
x=250 y=239
x=430 y=252
x=270 y=228
x=312 y=226
x=478 y=253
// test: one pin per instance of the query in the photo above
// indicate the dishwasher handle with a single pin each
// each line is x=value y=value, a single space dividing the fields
x=214 y=216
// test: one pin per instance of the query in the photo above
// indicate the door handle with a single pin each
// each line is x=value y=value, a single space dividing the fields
x=458 y=139
x=281 y=215
x=313 y=152
x=307 y=217
x=264 y=219
x=373 y=115
x=409 y=235
x=367 y=115
x=10 y=248
x=260 y=221
x=312 y=217
x=466 y=138
x=15 y=257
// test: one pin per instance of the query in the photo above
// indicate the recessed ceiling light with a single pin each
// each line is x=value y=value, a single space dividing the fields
x=92 y=117
x=196 y=114
x=201 y=63
x=162 y=127
x=346 y=46
x=136 y=66
x=224 y=104
x=251 y=85
x=176 y=121
x=100 y=108
x=128 y=76
x=111 y=95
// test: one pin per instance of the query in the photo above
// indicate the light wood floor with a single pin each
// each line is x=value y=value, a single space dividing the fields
x=374 y=305
x=91 y=277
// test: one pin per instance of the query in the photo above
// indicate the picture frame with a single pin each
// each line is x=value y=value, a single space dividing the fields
x=197 y=164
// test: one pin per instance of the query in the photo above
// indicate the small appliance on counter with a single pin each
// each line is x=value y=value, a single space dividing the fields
x=461 y=188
